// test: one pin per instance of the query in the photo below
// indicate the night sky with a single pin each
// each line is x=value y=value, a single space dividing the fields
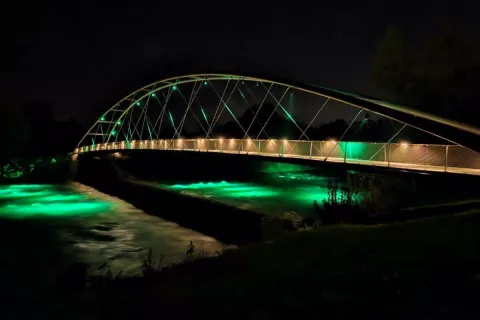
x=81 y=57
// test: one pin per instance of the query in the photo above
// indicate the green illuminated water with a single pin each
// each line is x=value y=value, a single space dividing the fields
x=33 y=201
x=56 y=225
x=276 y=194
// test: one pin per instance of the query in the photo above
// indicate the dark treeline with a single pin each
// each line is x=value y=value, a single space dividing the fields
x=32 y=131
x=280 y=127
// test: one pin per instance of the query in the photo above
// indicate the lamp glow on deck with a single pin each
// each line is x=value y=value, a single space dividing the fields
x=333 y=141
x=404 y=144
x=220 y=139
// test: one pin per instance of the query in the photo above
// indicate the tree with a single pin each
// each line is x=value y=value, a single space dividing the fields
x=392 y=66
x=439 y=75
x=14 y=132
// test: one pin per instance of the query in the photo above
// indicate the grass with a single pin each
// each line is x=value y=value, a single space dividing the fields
x=420 y=269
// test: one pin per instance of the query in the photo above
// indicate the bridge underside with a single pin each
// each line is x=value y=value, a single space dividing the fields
x=419 y=157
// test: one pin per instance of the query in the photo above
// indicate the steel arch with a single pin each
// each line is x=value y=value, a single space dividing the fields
x=449 y=130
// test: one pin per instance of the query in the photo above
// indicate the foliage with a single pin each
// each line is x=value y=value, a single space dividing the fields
x=359 y=199
x=439 y=75
x=149 y=265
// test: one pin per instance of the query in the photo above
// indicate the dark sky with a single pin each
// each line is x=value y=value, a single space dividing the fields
x=82 y=56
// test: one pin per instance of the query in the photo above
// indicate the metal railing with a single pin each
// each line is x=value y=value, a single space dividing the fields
x=425 y=157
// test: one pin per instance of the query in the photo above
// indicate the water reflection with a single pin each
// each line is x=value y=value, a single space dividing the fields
x=277 y=193
x=94 y=227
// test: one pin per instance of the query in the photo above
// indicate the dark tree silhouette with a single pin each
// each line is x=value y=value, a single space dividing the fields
x=438 y=74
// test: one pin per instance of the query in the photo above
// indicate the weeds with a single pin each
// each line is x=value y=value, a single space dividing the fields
x=149 y=265
x=359 y=199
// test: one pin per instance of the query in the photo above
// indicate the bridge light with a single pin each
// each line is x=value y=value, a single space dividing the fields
x=138 y=103
x=102 y=118
x=404 y=143
x=119 y=122
x=205 y=82
x=333 y=141
x=174 y=88
x=114 y=132
x=154 y=95
x=221 y=140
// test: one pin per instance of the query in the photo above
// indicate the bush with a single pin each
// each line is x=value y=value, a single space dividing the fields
x=359 y=199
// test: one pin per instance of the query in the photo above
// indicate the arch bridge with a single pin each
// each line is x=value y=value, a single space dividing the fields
x=254 y=116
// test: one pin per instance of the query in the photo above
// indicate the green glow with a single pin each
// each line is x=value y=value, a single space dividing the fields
x=355 y=150
x=204 y=115
x=102 y=118
x=119 y=122
x=154 y=95
x=232 y=190
x=283 y=192
x=33 y=201
x=288 y=114
x=12 y=194
x=205 y=82
x=53 y=160
x=138 y=103
x=174 y=88
x=280 y=167
x=114 y=132
x=171 y=119
x=230 y=111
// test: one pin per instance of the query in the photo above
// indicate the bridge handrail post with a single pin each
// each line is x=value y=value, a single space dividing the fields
x=446 y=157
x=345 y=154
x=389 y=147
x=311 y=147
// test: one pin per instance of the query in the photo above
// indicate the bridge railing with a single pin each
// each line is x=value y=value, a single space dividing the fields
x=427 y=157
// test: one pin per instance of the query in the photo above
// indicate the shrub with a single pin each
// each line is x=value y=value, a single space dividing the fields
x=359 y=199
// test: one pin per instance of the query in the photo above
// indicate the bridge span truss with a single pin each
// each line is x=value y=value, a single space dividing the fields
x=253 y=116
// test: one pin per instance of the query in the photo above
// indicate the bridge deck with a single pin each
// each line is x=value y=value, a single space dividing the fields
x=428 y=158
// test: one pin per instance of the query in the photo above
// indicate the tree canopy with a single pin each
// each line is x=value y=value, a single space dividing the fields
x=437 y=74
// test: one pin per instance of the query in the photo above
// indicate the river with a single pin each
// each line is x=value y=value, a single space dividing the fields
x=75 y=223
x=277 y=194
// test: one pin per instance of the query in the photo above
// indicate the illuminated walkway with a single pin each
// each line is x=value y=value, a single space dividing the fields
x=421 y=157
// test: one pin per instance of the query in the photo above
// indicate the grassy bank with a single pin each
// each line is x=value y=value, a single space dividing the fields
x=428 y=269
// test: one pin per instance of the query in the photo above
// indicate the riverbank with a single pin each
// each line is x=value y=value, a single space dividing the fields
x=424 y=269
